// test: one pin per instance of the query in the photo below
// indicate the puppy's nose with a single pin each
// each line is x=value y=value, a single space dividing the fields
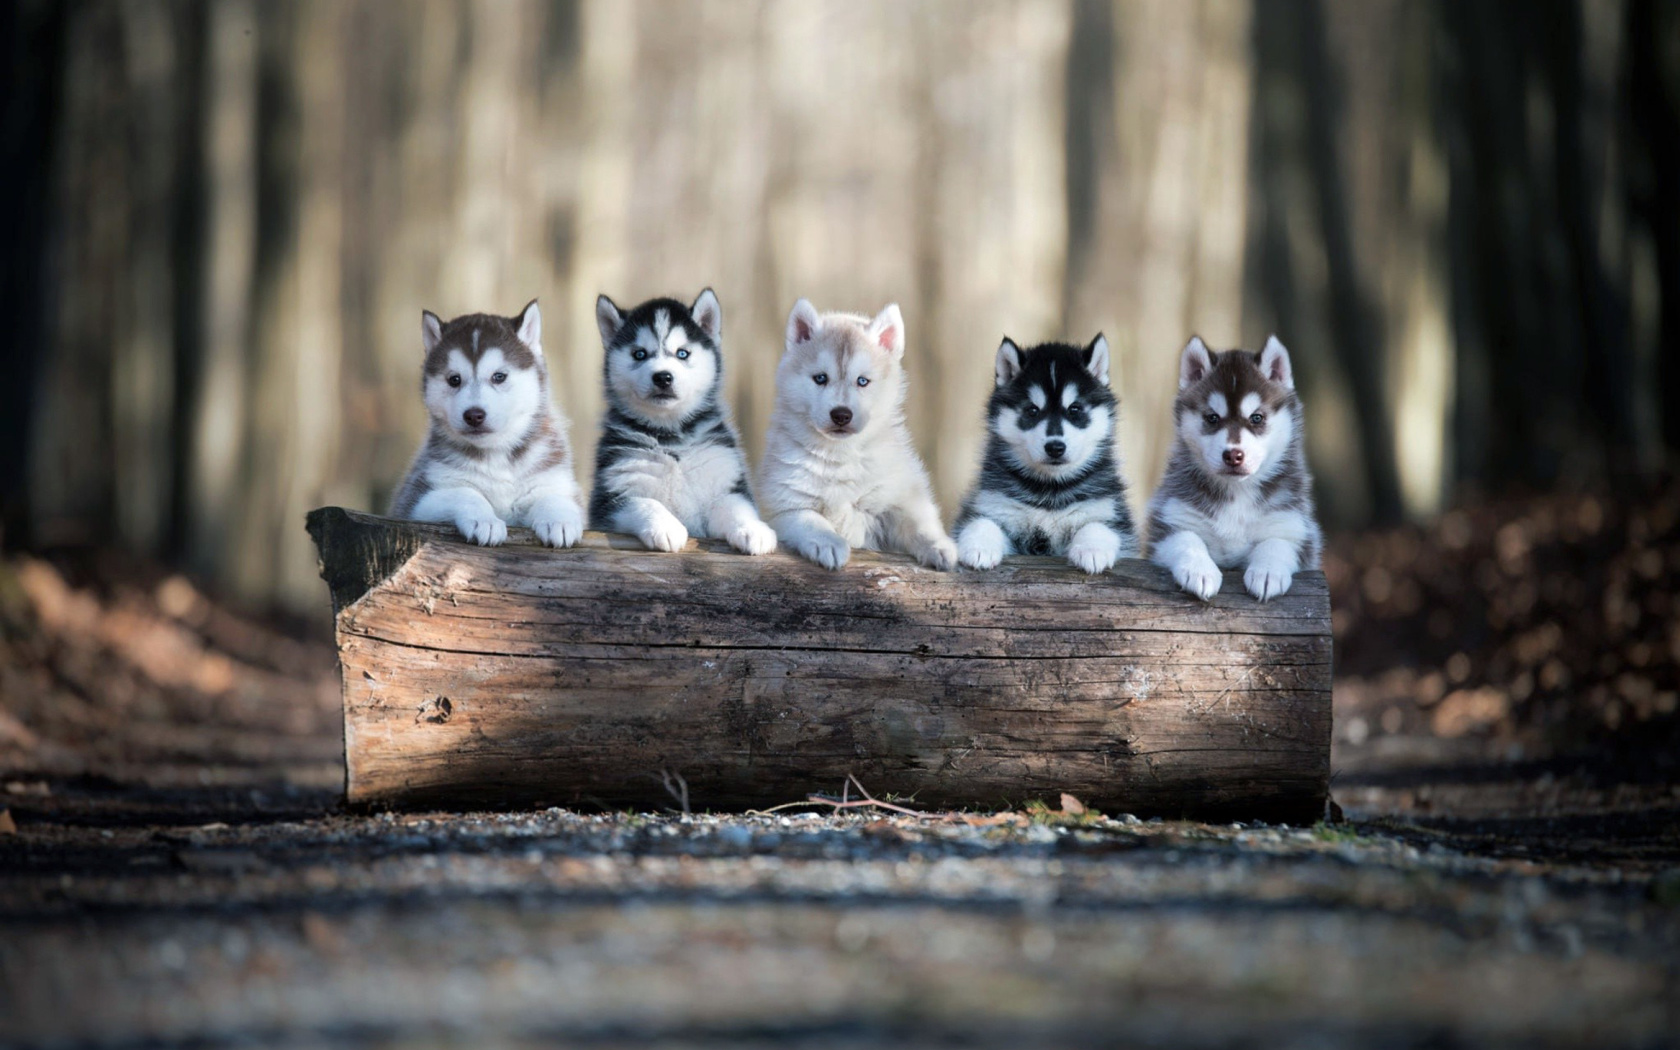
x=1233 y=457
x=474 y=417
x=662 y=380
x=841 y=415
x=1055 y=449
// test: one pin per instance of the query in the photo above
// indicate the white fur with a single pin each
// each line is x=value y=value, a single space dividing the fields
x=826 y=487
x=1194 y=363
x=676 y=491
x=482 y=496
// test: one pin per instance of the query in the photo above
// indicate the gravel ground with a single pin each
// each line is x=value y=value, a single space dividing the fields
x=175 y=870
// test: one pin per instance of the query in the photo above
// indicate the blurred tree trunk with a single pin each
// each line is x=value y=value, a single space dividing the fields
x=33 y=34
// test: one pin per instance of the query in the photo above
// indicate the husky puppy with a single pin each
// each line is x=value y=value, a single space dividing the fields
x=839 y=470
x=669 y=463
x=496 y=453
x=1236 y=491
x=1050 y=482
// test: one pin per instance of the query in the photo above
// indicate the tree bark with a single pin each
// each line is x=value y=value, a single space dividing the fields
x=520 y=675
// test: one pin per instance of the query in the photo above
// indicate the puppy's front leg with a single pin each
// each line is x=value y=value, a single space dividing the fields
x=651 y=522
x=1271 y=568
x=1187 y=557
x=735 y=519
x=1095 y=548
x=555 y=515
x=915 y=530
x=467 y=509
x=813 y=537
x=982 y=544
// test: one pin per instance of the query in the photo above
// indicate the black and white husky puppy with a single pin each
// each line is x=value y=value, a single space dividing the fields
x=669 y=464
x=497 y=452
x=1050 y=481
x=1237 y=492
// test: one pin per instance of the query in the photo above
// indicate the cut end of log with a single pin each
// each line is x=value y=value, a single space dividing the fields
x=500 y=677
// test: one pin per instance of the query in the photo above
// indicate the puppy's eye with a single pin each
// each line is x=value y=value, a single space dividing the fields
x=1029 y=411
x=638 y=354
x=454 y=379
x=1211 y=419
x=499 y=378
x=1075 y=410
x=821 y=379
x=1258 y=419
x=682 y=355
x=863 y=380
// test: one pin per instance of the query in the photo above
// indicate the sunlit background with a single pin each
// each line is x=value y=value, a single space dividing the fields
x=1463 y=224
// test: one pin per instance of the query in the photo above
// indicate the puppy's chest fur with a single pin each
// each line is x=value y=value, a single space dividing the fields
x=507 y=479
x=687 y=476
x=1233 y=522
x=854 y=487
x=1040 y=530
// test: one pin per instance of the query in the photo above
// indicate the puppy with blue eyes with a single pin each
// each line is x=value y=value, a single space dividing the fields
x=1237 y=492
x=839 y=468
x=1050 y=480
x=496 y=453
x=669 y=464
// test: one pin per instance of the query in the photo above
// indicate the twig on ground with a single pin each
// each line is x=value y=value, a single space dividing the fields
x=677 y=787
x=845 y=801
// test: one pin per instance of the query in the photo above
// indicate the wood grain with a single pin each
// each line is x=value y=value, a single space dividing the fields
x=521 y=675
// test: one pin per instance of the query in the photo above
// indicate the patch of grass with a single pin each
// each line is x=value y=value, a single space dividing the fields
x=1342 y=834
x=1039 y=812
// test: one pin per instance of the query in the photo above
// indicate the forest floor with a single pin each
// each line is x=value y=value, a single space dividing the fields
x=175 y=870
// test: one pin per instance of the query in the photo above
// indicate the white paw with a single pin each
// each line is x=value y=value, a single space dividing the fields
x=1093 y=558
x=981 y=545
x=1198 y=575
x=664 y=533
x=829 y=552
x=941 y=554
x=562 y=531
x=489 y=531
x=1266 y=580
x=753 y=537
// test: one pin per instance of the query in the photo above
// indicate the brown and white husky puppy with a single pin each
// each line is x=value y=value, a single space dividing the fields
x=1237 y=492
x=496 y=454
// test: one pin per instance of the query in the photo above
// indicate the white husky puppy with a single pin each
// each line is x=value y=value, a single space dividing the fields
x=496 y=453
x=839 y=469
x=1237 y=492
x=669 y=463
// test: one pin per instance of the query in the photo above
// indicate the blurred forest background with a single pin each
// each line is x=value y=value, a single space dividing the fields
x=222 y=220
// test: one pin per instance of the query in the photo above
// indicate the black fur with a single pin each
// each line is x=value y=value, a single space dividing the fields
x=1002 y=474
x=622 y=433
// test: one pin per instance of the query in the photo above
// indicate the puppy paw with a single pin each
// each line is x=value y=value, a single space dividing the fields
x=664 y=534
x=941 y=554
x=489 y=531
x=753 y=537
x=1266 y=580
x=829 y=552
x=981 y=545
x=1094 y=550
x=1198 y=575
x=563 y=530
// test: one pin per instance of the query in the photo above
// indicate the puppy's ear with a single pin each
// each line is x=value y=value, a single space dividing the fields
x=888 y=330
x=802 y=324
x=1008 y=364
x=607 y=319
x=708 y=314
x=1096 y=359
x=431 y=330
x=1274 y=363
x=1195 y=363
x=530 y=326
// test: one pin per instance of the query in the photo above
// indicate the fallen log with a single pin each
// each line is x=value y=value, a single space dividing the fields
x=604 y=674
